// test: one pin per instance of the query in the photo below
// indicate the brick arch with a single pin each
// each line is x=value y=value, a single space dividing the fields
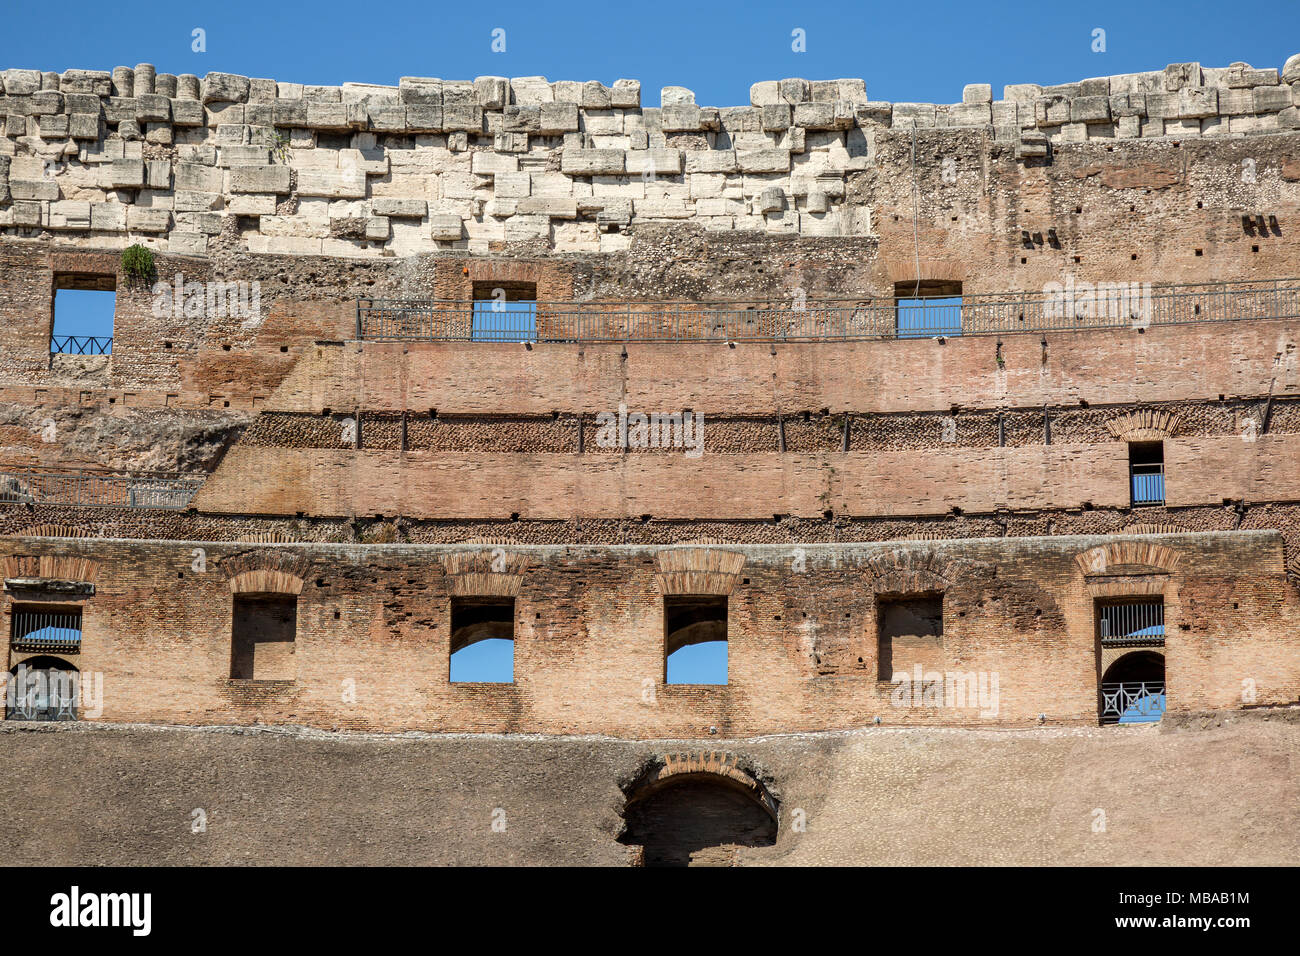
x=485 y=573
x=720 y=765
x=698 y=570
x=266 y=537
x=1145 y=424
x=272 y=572
x=265 y=581
x=909 y=572
x=1107 y=558
x=53 y=531
x=1149 y=528
x=56 y=567
x=903 y=269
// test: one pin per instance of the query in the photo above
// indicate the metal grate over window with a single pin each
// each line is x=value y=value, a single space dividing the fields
x=36 y=631
x=1132 y=624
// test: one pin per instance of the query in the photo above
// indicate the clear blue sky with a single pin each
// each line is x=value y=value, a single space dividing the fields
x=905 y=51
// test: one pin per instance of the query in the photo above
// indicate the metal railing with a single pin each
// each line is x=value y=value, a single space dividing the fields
x=42 y=693
x=1133 y=702
x=97 y=490
x=1132 y=624
x=57 y=632
x=81 y=345
x=885 y=317
x=1148 y=484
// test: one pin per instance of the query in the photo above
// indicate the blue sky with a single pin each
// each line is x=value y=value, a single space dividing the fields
x=905 y=51
x=494 y=661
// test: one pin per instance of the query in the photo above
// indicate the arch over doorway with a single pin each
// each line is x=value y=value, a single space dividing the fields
x=697 y=810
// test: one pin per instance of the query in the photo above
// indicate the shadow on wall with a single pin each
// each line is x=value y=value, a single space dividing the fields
x=696 y=820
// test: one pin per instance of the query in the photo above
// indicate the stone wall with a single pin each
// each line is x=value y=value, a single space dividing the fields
x=188 y=165
x=127 y=796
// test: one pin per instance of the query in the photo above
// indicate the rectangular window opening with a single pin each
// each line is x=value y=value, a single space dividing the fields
x=482 y=640
x=1131 y=651
x=43 y=629
x=1147 y=472
x=695 y=639
x=909 y=631
x=504 y=312
x=263 y=637
x=927 y=309
x=84 y=306
x=1137 y=622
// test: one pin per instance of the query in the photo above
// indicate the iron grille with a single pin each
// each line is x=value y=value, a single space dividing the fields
x=1148 y=483
x=1135 y=702
x=1132 y=624
x=883 y=317
x=495 y=321
x=97 y=490
x=81 y=345
x=58 y=632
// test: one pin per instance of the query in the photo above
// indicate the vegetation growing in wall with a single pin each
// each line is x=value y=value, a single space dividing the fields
x=138 y=265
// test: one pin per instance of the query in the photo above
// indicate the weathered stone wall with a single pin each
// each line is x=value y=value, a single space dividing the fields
x=802 y=629
x=188 y=165
x=126 y=796
x=349 y=458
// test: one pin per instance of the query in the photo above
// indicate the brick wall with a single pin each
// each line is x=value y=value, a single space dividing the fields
x=373 y=621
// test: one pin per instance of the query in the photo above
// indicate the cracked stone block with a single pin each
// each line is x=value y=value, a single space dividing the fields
x=445 y=227
x=680 y=118
x=419 y=89
x=625 y=95
x=84 y=126
x=1090 y=109
x=492 y=92
x=217 y=88
x=771 y=199
x=795 y=90
x=1179 y=75
x=1272 y=99
x=763 y=161
x=591 y=162
x=142 y=219
x=1195 y=102
x=260 y=179
x=125 y=174
x=557 y=118
x=712 y=161
x=766 y=93
x=251 y=205
x=531 y=91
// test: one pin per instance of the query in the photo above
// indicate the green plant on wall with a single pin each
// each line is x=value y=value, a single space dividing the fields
x=280 y=148
x=138 y=265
